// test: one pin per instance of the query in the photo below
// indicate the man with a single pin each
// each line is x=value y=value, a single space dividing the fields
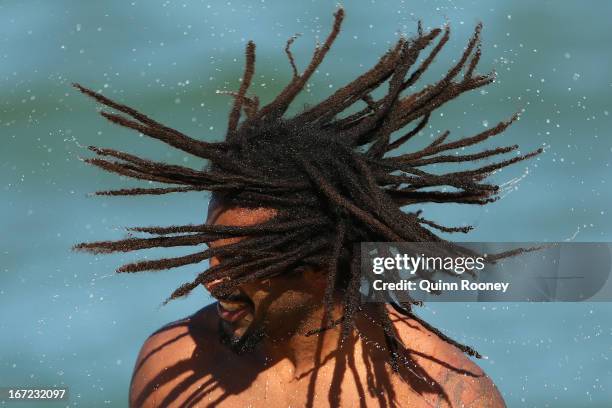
x=291 y=198
x=184 y=363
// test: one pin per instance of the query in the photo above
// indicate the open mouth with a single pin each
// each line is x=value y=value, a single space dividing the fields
x=234 y=307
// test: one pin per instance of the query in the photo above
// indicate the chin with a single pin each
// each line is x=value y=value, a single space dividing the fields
x=242 y=339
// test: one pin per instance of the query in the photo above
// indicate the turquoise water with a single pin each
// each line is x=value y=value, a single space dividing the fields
x=67 y=320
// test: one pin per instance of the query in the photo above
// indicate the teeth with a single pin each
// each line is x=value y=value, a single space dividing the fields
x=232 y=307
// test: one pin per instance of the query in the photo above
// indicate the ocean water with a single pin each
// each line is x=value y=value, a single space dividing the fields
x=67 y=320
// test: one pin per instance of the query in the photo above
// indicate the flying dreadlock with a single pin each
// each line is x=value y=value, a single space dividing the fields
x=329 y=176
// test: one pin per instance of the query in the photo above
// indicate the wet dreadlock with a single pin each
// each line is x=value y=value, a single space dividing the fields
x=329 y=176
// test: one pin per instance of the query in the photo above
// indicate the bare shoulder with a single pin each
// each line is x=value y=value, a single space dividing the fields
x=167 y=356
x=462 y=381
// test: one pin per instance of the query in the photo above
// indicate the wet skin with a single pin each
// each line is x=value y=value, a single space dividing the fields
x=185 y=364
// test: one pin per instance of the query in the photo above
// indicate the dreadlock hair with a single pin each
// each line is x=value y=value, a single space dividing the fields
x=330 y=176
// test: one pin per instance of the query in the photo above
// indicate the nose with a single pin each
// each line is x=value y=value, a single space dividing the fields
x=214 y=261
x=214 y=283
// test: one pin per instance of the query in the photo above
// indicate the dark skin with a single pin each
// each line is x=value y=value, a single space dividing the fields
x=185 y=364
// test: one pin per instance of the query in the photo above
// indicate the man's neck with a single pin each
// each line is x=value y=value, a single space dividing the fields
x=313 y=342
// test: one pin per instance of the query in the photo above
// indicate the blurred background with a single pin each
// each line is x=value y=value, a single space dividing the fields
x=66 y=319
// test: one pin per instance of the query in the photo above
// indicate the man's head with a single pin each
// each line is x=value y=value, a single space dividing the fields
x=273 y=306
x=299 y=193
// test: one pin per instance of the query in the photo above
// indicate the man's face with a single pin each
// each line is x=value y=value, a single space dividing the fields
x=272 y=307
